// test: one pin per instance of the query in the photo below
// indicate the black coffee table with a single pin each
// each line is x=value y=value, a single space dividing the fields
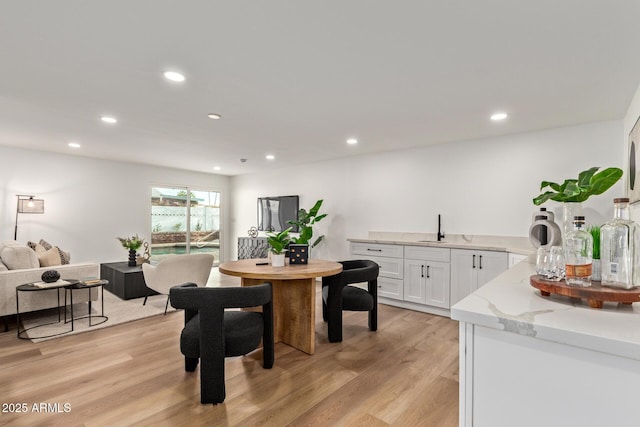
x=88 y=285
x=31 y=287
x=67 y=285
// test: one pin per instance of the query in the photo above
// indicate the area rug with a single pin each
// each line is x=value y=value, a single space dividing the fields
x=117 y=310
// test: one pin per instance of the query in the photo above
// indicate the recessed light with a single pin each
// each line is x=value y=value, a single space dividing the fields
x=270 y=157
x=108 y=119
x=352 y=141
x=216 y=168
x=73 y=145
x=499 y=116
x=214 y=116
x=174 y=76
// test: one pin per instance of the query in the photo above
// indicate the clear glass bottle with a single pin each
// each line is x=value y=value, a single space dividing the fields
x=578 y=254
x=620 y=248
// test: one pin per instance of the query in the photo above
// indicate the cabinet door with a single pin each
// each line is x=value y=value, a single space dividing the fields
x=390 y=288
x=437 y=284
x=464 y=273
x=490 y=265
x=389 y=267
x=415 y=281
x=426 y=282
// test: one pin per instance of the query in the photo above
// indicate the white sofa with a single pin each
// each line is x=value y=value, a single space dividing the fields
x=11 y=276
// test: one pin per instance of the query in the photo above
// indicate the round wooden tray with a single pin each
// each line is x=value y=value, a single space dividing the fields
x=595 y=294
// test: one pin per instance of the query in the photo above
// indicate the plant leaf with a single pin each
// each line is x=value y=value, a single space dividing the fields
x=543 y=197
x=584 y=178
x=553 y=185
x=605 y=179
x=318 y=240
x=314 y=210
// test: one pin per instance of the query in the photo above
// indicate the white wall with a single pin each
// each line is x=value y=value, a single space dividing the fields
x=481 y=187
x=88 y=202
x=629 y=120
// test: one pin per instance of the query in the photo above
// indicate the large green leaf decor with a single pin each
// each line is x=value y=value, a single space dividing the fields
x=589 y=183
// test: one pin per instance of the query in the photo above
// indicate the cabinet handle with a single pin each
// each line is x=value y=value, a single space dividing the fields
x=428 y=272
x=422 y=271
x=474 y=262
x=374 y=250
x=480 y=267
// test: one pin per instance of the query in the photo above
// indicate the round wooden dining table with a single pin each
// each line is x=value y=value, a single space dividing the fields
x=294 y=295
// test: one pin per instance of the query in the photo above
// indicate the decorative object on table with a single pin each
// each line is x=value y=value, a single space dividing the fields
x=305 y=223
x=278 y=242
x=620 y=248
x=550 y=263
x=147 y=253
x=594 y=230
x=578 y=255
x=27 y=204
x=253 y=232
x=633 y=180
x=572 y=192
x=50 y=276
x=298 y=254
x=145 y=257
x=544 y=232
x=132 y=243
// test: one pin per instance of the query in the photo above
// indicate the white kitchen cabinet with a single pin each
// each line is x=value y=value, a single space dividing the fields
x=427 y=276
x=390 y=259
x=470 y=269
x=390 y=288
x=426 y=282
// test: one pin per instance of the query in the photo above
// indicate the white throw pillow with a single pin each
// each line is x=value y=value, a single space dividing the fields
x=8 y=243
x=2 y=266
x=19 y=257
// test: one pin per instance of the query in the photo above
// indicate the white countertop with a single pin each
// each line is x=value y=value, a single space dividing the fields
x=509 y=303
x=518 y=245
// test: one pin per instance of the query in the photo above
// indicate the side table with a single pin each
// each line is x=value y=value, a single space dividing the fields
x=88 y=285
x=124 y=281
x=31 y=287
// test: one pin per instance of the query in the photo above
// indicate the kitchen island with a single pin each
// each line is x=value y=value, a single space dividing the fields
x=529 y=360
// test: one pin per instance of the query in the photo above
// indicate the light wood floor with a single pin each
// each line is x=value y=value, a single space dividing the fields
x=405 y=374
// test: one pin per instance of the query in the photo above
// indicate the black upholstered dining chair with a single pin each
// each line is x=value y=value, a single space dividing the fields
x=337 y=295
x=212 y=333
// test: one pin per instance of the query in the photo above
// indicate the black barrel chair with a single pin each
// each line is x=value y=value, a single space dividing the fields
x=338 y=296
x=210 y=333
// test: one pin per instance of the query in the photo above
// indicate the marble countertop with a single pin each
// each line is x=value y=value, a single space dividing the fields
x=517 y=245
x=509 y=303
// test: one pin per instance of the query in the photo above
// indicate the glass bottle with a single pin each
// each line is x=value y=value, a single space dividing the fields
x=578 y=254
x=620 y=248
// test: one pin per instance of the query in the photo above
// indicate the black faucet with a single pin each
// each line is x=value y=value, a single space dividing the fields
x=440 y=235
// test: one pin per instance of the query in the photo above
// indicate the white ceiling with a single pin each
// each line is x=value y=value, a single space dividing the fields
x=297 y=78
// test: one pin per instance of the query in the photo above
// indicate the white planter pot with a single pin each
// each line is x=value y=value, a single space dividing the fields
x=277 y=260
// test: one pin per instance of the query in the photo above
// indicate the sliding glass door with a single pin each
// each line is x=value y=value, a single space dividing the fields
x=184 y=220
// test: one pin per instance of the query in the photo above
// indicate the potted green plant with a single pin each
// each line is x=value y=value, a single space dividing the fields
x=132 y=243
x=305 y=223
x=589 y=183
x=572 y=192
x=278 y=242
x=594 y=230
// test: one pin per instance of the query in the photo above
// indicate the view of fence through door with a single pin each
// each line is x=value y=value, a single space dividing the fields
x=184 y=220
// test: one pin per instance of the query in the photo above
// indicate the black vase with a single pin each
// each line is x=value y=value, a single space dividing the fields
x=132 y=257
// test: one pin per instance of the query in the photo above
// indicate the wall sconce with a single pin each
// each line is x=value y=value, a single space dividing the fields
x=27 y=205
